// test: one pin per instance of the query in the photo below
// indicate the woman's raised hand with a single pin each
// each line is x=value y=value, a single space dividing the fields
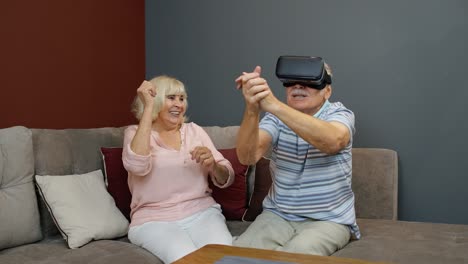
x=146 y=92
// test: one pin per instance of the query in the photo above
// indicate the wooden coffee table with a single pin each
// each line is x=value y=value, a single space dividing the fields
x=213 y=253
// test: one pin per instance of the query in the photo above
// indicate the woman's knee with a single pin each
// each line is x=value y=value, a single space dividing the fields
x=211 y=228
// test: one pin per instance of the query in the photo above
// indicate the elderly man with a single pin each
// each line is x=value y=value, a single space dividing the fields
x=310 y=206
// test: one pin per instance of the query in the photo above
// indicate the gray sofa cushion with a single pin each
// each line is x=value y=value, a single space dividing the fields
x=98 y=252
x=19 y=215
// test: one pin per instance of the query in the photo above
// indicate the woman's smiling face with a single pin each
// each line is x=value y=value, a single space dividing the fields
x=173 y=109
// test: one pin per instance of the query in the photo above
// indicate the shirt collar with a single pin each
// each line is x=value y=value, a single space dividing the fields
x=324 y=106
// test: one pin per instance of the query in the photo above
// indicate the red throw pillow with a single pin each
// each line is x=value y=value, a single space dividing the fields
x=116 y=176
x=261 y=187
x=233 y=199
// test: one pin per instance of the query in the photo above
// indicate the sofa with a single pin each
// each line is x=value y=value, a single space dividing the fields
x=57 y=204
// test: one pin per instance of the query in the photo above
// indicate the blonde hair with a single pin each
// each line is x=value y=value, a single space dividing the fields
x=165 y=85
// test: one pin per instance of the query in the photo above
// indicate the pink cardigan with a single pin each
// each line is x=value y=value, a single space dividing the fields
x=167 y=184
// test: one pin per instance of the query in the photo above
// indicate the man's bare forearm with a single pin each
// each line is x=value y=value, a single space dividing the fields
x=323 y=135
x=247 y=138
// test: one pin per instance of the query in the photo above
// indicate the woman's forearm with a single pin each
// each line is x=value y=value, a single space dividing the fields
x=140 y=143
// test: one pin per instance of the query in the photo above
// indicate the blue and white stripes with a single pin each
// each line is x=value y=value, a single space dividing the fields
x=306 y=182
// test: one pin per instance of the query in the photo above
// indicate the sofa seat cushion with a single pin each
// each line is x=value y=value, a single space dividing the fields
x=56 y=251
x=19 y=214
x=408 y=242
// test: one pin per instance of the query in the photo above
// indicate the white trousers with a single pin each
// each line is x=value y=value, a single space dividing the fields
x=172 y=240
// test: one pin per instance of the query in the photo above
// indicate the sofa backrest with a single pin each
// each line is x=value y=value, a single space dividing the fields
x=222 y=137
x=375 y=183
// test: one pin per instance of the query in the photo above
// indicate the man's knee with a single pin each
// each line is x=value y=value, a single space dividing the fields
x=268 y=231
x=321 y=238
x=311 y=246
x=250 y=238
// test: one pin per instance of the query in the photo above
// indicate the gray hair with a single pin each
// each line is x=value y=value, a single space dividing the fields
x=328 y=69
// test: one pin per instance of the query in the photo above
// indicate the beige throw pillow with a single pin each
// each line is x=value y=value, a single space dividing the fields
x=82 y=208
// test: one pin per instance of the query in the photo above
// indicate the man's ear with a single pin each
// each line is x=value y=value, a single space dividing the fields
x=327 y=91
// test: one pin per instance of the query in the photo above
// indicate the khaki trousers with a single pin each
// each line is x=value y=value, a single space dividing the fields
x=270 y=231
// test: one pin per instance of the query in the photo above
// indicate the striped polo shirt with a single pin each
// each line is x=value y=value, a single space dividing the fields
x=307 y=183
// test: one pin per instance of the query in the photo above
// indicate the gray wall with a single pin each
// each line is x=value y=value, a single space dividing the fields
x=400 y=65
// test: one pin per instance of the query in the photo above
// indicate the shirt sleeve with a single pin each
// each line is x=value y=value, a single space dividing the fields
x=135 y=164
x=270 y=124
x=218 y=157
x=343 y=115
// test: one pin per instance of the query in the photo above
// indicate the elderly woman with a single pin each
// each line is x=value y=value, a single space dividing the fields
x=168 y=163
